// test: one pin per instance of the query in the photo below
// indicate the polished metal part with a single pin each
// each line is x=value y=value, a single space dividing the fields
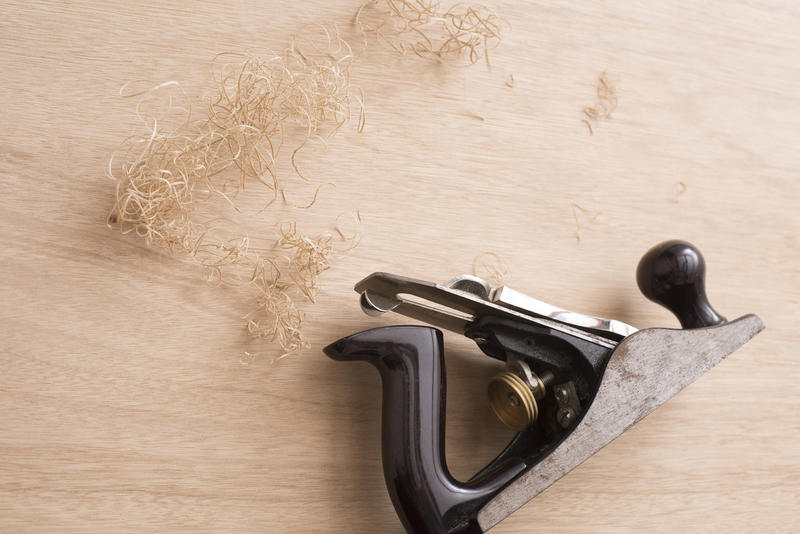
x=633 y=386
x=471 y=284
x=375 y=304
x=515 y=300
x=448 y=307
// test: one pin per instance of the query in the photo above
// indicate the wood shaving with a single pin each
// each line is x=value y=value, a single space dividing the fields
x=462 y=34
x=167 y=177
x=276 y=318
x=312 y=256
x=492 y=268
x=579 y=212
x=680 y=189
x=604 y=106
x=264 y=112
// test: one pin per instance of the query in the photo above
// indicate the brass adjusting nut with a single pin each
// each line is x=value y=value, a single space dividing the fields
x=513 y=400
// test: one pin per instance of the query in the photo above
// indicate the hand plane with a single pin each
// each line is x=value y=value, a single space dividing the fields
x=571 y=382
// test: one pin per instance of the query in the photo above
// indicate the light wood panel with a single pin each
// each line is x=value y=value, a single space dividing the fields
x=125 y=402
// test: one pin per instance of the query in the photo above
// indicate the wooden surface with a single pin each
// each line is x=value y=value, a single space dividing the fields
x=127 y=403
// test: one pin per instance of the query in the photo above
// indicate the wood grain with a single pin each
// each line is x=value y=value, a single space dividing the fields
x=125 y=404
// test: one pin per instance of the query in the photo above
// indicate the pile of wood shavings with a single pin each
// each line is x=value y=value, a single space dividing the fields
x=462 y=33
x=166 y=177
x=263 y=112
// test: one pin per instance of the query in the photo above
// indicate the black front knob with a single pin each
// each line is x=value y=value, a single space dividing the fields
x=673 y=275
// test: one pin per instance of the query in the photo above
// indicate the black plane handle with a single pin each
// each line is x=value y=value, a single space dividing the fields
x=427 y=498
x=673 y=275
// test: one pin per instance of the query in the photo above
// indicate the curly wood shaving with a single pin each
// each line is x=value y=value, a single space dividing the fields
x=311 y=256
x=579 y=211
x=680 y=188
x=604 y=106
x=492 y=268
x=460 y=34
x=348 y=226
x=276 y=318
